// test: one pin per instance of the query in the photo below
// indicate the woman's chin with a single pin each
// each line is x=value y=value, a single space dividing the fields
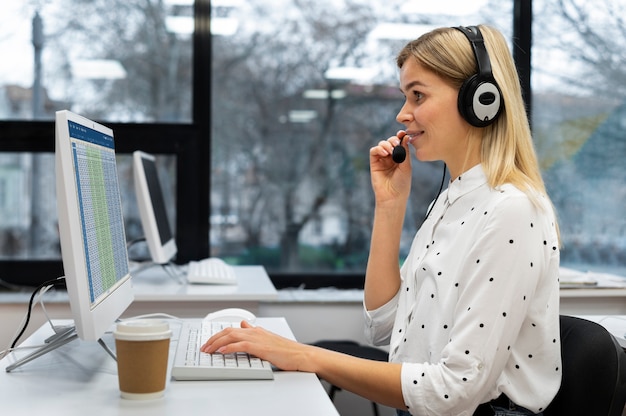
x=424 y=157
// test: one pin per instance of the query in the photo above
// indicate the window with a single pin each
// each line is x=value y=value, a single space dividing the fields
x=126 y=61
x=263 y=119
x=130 y=63
x=127 y=64
x=301 y=91
x=578 y=118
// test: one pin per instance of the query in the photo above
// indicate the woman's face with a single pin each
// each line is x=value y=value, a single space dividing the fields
x=430 y=116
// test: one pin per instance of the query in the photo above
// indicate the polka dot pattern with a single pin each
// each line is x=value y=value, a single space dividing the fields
x=478 y=265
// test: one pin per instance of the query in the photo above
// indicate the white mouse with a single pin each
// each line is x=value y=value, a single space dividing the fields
x=231 y=315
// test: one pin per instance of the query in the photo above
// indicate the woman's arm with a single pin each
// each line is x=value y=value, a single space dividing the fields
x=375 y=380
x=391 y=183
x=382 y=276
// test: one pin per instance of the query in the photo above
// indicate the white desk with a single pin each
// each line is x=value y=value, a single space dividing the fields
x=606 y=297
x=595 y=301
x=156 y=291
x=81 y=379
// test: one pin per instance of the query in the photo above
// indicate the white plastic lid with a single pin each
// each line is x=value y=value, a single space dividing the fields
x=142 y=330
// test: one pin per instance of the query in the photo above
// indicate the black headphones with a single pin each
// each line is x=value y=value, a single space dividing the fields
x=480 y=99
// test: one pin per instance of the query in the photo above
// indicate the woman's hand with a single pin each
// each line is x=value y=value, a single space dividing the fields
x=376 y=380
x=282 y=352
x=390 y=180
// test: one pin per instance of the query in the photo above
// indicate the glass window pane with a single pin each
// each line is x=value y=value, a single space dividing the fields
x=579 y=92
x=27 y=230
x=28 y=211
x=300 y=92
x=114 y=60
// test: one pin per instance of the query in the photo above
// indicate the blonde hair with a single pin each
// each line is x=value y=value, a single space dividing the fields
x=507 y=151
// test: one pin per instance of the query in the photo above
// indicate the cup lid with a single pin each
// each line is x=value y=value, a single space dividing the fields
x=142 y=330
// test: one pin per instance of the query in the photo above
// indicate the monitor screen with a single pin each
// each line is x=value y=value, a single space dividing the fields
x=91 y=227
x=152 y=211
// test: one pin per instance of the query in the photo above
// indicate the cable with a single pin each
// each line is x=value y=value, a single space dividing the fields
x=153 y=316
x=443 y=179
x=135 y=241
x=55 y=282
x=131 y=243
x=39 y=299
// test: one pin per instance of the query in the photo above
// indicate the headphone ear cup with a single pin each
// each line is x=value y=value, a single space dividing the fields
x=479 y=101
x=466 y=94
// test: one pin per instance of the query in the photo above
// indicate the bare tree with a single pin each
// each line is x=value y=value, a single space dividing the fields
x=292 y=170
x=133 y=33
x=593 y=37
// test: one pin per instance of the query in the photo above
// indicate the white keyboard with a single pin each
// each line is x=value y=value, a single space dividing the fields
x=212 y=270
x=192 y=364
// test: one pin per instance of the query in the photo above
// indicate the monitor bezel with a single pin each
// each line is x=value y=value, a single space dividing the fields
x=91 y=321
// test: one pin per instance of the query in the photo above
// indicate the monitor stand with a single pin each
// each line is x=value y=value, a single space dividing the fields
x=174 y=272
x=171 y=269
x=62 y=336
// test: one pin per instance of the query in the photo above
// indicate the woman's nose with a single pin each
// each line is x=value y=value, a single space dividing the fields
x=404 y=115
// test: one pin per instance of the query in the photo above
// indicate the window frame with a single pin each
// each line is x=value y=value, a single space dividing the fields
x=190 y=144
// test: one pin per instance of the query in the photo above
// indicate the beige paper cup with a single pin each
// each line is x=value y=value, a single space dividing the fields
x=142 y=347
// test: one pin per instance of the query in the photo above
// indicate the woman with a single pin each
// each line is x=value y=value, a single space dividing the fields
x=471 y=318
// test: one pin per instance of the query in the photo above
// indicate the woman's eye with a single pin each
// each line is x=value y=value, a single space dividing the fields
x=418 y=95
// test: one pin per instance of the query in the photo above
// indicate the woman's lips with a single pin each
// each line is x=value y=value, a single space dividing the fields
x=412 y=135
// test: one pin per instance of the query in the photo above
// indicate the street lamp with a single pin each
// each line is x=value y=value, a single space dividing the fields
x=38 y=41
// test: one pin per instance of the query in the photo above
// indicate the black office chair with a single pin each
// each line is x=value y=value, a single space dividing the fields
x=594 y=371
x=356 y=350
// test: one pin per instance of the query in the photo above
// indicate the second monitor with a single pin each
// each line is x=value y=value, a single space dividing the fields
x=159 y=236
x=152 y=211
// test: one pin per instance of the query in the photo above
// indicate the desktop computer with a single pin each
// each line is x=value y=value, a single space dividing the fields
x=95 y=254
x=91 y=230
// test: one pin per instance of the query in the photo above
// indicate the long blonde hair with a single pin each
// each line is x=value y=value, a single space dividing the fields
x=507 y=151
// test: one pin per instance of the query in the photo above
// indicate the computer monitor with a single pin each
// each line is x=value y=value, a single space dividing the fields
x=91 y=230
x=152 y=211
x=91 y=227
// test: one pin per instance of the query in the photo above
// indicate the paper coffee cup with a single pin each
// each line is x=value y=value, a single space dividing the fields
x=142 y=347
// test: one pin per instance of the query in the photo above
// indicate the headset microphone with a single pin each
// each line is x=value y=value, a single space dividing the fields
x=399 y=153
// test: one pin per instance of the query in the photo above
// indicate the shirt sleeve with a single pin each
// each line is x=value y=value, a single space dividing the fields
x=497 y=303
x=379 y=322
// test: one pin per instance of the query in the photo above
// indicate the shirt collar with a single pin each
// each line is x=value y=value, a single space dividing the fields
x=466 y=182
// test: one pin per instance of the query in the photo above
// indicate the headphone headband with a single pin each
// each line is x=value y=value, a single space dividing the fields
x=480 y=51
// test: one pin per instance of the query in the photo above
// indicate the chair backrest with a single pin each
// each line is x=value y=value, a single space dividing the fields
x=594 y=371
